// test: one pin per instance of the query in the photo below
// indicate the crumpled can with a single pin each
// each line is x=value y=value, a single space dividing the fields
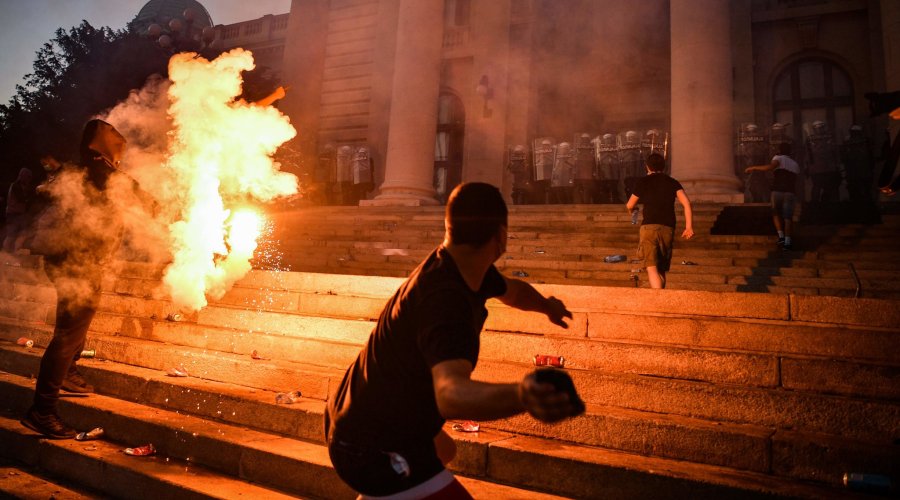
x=688 y=263
x=178 y=371
x=25 y=341
x=549 y=360
x=89 y=353
x=466 y=426
x=92 y=434
x=255 y=355
x=174 y=317
x=286 y=398
x=141 y=451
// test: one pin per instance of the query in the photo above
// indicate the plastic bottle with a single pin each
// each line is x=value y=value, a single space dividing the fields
x=634 y=216
x=614 y=258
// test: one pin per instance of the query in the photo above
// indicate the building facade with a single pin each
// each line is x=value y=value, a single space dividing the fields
x=449 y=85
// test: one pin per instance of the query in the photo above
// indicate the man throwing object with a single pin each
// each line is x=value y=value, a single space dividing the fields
x=415 y=370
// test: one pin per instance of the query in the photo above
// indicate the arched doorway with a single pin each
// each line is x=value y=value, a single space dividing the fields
x=448 y=145
x=813 y=89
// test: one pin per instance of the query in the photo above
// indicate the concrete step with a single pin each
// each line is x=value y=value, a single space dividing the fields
x=731 y=416
x=18 y=480
x=225 y=461
x=100 y=465
x=487 y=454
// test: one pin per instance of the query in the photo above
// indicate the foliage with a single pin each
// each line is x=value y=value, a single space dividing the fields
x=76 y=75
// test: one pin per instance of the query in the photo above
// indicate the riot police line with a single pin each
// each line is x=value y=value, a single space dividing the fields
x=831 y=172
x=602 y=169
x=343 y=175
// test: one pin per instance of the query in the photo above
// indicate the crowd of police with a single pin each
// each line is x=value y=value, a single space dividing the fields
x=603 y=169
x=343 y=175
x=826 y=165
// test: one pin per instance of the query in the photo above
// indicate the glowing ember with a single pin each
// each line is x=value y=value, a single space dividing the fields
x=220 y=151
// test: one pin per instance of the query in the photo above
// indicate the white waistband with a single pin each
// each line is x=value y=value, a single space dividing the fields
x=430 y=487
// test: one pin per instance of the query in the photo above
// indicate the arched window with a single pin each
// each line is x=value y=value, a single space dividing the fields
x=813 y=89
x=448 y=145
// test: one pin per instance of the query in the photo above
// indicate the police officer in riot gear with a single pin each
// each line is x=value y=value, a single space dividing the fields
x=631 y=159
x=521 y=174
x=324 y=176
x=609 y=169
x=561 y=180
x=822 y=162
x=753 y=150
x=344 y=175
x=585 y=178
x=859 y=165
x=544 y=151
x=363 y=174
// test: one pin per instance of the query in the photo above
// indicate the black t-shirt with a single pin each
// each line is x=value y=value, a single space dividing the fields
x=386 y=399
x=657 y=193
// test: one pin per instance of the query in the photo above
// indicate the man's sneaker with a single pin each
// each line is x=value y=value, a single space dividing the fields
x=787 y=246
x=47 y=424
x=74 y=382
x=781 y=242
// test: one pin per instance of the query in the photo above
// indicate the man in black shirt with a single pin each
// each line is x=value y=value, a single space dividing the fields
x=658 y=192
x=414 y=372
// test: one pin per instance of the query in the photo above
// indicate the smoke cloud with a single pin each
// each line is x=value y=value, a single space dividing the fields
x=197 y=165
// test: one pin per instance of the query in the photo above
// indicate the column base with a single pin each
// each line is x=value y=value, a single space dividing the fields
x=402 y=197
x=711 y=187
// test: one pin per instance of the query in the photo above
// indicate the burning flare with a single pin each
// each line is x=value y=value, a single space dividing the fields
x=220 y=152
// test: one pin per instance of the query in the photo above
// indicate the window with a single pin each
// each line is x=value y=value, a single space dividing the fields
x=813 y=89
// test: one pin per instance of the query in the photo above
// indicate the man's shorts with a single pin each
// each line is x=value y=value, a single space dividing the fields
x=655 y=247
x=376 y=473
x=783 y=204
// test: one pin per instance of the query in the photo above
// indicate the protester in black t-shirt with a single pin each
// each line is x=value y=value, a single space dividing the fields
x=414 y=371
x=658 y=192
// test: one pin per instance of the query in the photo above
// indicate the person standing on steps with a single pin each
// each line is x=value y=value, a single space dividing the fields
x=78 y=245
x=658 y=192
x=783 y=189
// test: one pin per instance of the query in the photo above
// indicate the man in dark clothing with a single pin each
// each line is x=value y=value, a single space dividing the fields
x=18 y=201
x=658 y=192
x=79 y=243
x=384 y=423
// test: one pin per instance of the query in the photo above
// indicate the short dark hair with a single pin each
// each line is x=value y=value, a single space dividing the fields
x=656 y=162
x=475 y=213
x=785 y=148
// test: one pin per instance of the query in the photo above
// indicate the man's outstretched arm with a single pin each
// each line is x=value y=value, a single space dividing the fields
x=460 y=397
x=522 y=295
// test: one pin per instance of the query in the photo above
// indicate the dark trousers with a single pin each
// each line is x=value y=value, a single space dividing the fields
x=826 y=187
x=73 y=318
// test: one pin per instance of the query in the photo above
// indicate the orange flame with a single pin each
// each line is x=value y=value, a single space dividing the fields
x=221 y=154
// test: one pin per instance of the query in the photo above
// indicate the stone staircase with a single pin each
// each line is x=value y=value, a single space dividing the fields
x=690 y=393
x=567 y=244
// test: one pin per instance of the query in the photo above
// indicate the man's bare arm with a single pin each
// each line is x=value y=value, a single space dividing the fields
x=460 y=397
x=688 y=214
x=632 y=202
x=523 y=296
x=763 y=168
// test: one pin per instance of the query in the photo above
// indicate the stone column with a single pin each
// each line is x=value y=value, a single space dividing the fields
x=702 y=101
x=409 y=162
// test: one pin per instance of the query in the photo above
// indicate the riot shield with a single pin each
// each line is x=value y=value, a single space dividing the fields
x=344 y=164
x=563 y=166
x=362 y=167
x=544 y=149
x=655 y=141
x=752 y=149
x=584 y=158
x=630 y=156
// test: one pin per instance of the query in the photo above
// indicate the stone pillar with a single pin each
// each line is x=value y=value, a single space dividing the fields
x=702 y=101
x=409 y=163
